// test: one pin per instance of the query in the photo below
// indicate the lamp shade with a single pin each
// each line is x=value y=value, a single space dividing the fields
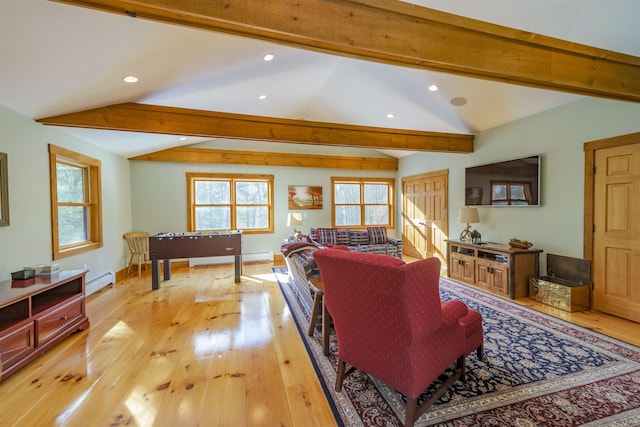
x=468 y=215
x=294 y=219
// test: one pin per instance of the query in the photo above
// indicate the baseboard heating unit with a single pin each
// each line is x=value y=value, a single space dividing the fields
x=99 y=282
x=218 y=260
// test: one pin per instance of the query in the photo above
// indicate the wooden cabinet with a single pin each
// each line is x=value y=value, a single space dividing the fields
x=493 y=266
x=37 y=313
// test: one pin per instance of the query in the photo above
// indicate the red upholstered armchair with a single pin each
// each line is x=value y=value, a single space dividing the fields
x=390 y=322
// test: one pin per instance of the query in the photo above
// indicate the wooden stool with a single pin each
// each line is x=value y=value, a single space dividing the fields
x=316 y=287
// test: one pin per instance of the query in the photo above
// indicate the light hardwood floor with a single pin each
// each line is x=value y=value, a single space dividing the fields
x=201 y=351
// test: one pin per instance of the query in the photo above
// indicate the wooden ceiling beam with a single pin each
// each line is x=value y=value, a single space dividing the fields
x=257 y=158
x=406 y=35
x=145 y=118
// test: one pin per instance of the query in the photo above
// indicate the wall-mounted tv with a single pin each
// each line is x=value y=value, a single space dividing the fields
x=509 y=183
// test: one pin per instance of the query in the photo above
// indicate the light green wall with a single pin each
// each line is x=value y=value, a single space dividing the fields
x=27 y=240
x=151 y=196
x=559 y=135
x=159 y=190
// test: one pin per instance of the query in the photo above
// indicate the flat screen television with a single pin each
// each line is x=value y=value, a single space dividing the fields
x=509 y=183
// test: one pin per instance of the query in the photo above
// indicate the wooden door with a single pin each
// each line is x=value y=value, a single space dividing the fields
x=425 y=215
x=616 y=232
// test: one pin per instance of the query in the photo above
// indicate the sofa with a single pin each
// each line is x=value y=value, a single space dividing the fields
x=372 y=240
x=301 y=265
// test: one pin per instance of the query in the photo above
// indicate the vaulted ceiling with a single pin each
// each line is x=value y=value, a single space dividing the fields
x=57 y=59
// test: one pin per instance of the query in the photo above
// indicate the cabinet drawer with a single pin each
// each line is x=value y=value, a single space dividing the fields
x=51 y=324
x=15 y=344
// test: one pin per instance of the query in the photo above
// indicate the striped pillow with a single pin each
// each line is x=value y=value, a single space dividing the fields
x=326 y=235
x=377 y=235
x=342 y=236
x=358 y=237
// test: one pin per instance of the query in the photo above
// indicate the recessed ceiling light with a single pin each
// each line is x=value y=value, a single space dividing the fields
x=458 y=101
x=130 y=79
x=390 y=115
x=269 y=57
x=262 y=97
x=433 y=88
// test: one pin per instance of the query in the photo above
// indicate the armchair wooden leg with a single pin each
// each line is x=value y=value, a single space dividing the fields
x=340 y=375
x=480 y=352
x=412 y=409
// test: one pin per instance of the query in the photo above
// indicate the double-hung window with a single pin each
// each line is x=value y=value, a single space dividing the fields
x=362 y=202
x=76 y=202
x=219 y=202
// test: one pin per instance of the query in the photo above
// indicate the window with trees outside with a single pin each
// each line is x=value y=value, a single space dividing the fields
x=510 y=193
x=362 y=202
x=220 y=202
x=76 y=202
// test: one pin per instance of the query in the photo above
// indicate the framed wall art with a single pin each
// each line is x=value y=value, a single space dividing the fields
x=304 y=197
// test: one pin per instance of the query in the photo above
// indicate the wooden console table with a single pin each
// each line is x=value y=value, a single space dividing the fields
x=168 y=246
x=493 y=266
x=37 y=313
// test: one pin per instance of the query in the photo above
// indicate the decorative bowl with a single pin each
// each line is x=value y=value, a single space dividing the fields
x=520 y=245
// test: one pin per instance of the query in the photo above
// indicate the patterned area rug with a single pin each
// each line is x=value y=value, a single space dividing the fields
x=538 y=371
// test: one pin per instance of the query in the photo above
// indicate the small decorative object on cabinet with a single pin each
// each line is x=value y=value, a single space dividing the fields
x=34 y=318
x=499 y=268
x=520 y=244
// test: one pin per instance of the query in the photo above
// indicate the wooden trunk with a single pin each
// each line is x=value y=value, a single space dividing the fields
x=559 y=293
x=566 y=285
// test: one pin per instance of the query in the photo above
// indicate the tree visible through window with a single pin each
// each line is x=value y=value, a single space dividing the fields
x=362 y=202
x=75 y=202
x=230 y=202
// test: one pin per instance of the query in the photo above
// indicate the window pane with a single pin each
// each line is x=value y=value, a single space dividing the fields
x=70 y=183
x=213 y=192
x=347 y=215
x=213 y=217
x=517 y=192
x=376 y=193
x=252 y=193
x=252 y=217
x=499 y=192
x=72 y=227
x=347 y=193
x=376 y=214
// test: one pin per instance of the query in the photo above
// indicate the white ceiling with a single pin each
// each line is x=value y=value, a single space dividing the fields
x=56 y=59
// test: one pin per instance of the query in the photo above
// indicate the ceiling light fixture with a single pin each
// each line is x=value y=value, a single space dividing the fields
x=390 y=115
x=262 y=97
x=183 y=138
x=433 y=88
x=130 y=79
x=268 y=57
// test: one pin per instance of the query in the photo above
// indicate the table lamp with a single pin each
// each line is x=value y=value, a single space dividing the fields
x=294 y=219
x=468 y=216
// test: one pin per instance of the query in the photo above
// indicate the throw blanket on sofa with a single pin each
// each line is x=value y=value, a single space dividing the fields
x=289 y=249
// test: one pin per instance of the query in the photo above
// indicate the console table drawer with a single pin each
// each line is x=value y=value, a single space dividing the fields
x=51 y=324
x=15 y=344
